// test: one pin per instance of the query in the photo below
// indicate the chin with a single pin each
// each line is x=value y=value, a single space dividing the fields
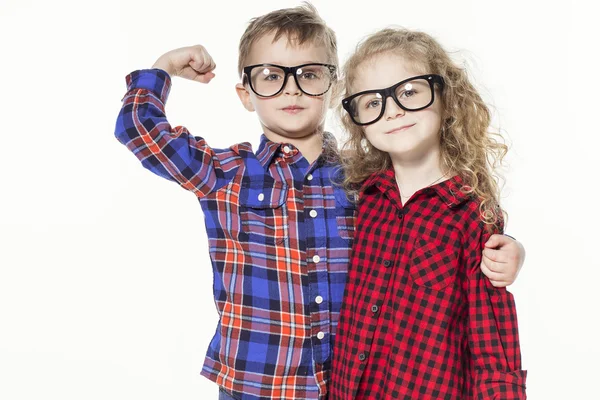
x=400 y=150
x=297 y=130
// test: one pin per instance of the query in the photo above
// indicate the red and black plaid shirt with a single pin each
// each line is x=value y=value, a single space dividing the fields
x=419 y=320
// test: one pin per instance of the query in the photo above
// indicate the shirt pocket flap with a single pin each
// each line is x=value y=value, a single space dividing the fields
x=263 y=195
x=342 y=200
x=433 y=264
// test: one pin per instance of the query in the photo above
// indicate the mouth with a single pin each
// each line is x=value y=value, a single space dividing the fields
x=400 y=129
x=292 y=109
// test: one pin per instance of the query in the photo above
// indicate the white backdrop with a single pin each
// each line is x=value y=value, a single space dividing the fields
x=105 y=281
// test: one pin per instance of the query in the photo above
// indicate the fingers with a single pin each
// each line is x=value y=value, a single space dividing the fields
x=491 y=274
x=498 y=256
x=200 y=60
x=204 y=78
x=497 y=279
x=497 y=240
x=504 y=272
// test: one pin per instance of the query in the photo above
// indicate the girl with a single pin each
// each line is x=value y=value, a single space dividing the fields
x=419 y=319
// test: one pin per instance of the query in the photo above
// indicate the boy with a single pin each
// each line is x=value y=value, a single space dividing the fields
x=279 y=230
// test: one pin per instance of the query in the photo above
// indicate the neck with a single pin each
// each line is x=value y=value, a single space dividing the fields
x=414 y=174
x=310 y=145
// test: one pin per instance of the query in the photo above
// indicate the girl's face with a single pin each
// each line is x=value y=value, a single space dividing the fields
x=405 y=135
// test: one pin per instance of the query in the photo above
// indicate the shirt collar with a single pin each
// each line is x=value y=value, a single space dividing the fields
x=449 y=191
x=267 y=150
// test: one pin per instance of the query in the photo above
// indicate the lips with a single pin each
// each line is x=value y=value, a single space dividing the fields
x=292 y=109
x=400 y=129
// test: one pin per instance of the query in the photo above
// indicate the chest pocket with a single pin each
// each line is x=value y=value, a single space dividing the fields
x=263 y=213
x=345 y=214
x=433 y=265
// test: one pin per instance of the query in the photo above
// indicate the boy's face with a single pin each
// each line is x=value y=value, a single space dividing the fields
x=405 y=134
x=291 y=114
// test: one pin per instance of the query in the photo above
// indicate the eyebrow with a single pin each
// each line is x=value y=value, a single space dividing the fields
x=300 y=63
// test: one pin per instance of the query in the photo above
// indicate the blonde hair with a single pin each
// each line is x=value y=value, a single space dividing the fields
x=301 y=24
x=468 y=147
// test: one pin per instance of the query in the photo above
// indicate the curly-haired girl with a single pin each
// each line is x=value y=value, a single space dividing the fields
x=419 y=319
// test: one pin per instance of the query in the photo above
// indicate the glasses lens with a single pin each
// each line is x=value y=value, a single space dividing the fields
x=414 y=94
x=267 y=80
x=366 y=108
x=314 y=79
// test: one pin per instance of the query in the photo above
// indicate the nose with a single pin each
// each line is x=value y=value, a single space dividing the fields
x=392 y=110
x=290 y=86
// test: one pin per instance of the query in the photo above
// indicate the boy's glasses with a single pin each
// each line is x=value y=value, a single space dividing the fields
x=412 y=94
x=268 y=80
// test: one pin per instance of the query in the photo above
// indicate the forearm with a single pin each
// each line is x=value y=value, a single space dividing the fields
x=171 y=153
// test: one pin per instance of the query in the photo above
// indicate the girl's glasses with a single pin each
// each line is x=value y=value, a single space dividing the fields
x=412 y=94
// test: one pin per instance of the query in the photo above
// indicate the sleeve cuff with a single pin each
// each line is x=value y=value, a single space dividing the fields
x=154 y=80
x=491 y=385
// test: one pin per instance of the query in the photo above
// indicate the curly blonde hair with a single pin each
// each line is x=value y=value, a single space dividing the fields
x=468 y=147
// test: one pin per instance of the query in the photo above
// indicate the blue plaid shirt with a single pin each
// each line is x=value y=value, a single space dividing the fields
x=279 y=232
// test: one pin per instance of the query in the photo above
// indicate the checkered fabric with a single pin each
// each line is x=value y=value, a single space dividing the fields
x=279 y=233
x=419 y=319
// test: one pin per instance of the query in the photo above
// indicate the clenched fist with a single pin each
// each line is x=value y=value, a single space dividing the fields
x=192 y=63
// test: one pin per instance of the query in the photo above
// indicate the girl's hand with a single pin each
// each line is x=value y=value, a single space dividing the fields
x=193 y=63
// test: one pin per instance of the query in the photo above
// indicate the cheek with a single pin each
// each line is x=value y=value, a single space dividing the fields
x=262 y=106
x=373 y=129
x=370 y=133
x=432 y=120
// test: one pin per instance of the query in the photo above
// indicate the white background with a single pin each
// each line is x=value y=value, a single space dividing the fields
x=105 y=281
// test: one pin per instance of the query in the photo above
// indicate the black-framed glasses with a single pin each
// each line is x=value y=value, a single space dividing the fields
x=412 y=94
x=268 y=80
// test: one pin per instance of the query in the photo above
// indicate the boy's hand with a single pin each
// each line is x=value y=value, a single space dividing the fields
x=502 y=260
x=192 y=63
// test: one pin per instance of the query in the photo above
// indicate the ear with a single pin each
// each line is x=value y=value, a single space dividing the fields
x=244 y=96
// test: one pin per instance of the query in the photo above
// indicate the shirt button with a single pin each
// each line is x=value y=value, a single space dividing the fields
x=309 y=177
x=318 y=299
x=320 y=335
x=374 y=308
x=261 y=197
x=362 y=357
x=286 y=149
x=316 y=259
x=387 y=263
x=313 y=213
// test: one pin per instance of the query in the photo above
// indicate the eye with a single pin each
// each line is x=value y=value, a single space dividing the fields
x=373 y=103
x=308 y=76
x=272 y=77
x=269 y=75
x=409 y=91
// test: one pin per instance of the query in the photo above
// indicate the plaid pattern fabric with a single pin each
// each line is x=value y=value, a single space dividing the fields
x=419 y=319
x=279 y=234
